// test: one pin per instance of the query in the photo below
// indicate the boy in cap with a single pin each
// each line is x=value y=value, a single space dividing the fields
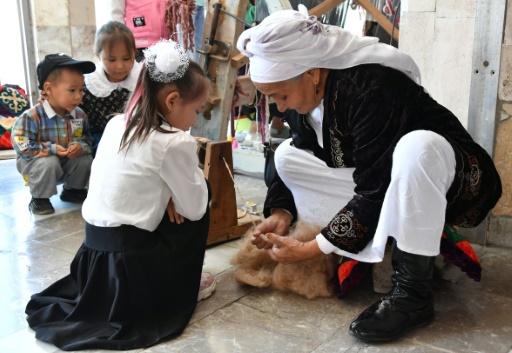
x=52 y=139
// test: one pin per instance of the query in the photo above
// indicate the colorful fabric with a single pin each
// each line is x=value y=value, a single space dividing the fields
x=5 y=139
x=13 y=100
x=5 y=132
x=250 y=14
x=454 y=248
x=350 y=273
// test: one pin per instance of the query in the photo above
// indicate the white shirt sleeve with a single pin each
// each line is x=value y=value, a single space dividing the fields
x=369 y=254
x=106 y=10
x=325 y=245
x=117 y=10
x=180 y=170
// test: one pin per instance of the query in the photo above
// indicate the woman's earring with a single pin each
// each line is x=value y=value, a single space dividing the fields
x=317 y=89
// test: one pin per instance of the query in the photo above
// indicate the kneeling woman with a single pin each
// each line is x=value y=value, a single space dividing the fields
x=135 y=280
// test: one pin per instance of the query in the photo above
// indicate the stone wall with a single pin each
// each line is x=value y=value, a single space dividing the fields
x=500 y=229
x=64 y=26
x=439 y=35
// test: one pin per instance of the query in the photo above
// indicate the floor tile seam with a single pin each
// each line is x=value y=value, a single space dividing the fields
x=12 y=248
x=37 y=271
x=469 y=284
x=62 y=249
x=416 y=342
x=262 y=327
x=489 y=250
x=221 y=307
x=32 y=239
x=61 y=229
x=341 y=331
x=55 y=217
x=322 y=340
x=327 y=340
x=72 y=232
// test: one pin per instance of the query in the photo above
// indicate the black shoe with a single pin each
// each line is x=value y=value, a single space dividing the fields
x=381 y=322
x=40 y=206
x=73 y=195
x=408 y=306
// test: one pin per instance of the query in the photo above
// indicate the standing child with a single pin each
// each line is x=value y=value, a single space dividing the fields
x=135 y=280
x=146 y=19
x=52 y=139
x=107 y=89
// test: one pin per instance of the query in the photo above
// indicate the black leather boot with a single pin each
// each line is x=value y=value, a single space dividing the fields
x=409 y=304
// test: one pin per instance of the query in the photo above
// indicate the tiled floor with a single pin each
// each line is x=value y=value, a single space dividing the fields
x=37 y=250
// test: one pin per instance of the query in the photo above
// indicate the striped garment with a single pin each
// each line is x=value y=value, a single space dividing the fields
x=38 y=131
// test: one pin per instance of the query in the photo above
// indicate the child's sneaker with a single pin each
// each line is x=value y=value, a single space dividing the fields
x=40 y=206
x=207 y=287
x=73 y=195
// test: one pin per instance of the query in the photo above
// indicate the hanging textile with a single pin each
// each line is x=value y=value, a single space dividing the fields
x=180 y=12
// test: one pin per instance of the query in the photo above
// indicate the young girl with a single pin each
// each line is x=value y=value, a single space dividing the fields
x=135 y=280
x=108 y=88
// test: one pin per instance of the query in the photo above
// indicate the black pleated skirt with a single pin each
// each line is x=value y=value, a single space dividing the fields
x=128 y=288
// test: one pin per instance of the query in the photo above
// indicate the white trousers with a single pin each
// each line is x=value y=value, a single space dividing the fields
x=413 y=210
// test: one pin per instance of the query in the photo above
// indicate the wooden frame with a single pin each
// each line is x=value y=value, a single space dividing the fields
x=224 y=221
x=222 y=70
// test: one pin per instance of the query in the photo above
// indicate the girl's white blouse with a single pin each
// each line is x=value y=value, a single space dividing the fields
x=133 y=186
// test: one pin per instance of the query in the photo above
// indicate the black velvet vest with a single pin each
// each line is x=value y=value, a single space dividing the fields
x=367 y=110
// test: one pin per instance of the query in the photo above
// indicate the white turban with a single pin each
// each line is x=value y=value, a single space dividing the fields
x=288 y=43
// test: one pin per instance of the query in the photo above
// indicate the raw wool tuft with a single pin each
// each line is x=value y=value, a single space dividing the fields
x=313 y=278
x=180 y=12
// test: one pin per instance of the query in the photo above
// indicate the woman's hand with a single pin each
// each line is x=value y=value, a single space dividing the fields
x=278 y=223
x=287 y=250
x=174 y=216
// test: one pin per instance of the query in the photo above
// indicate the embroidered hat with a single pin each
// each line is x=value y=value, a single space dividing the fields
x=51 y=61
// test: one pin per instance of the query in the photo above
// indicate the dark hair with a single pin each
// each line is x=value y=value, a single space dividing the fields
x=111 y=33
x=142 y=110
x=55 y=74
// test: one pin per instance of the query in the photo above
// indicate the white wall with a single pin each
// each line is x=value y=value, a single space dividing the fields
x=439 y=35
x=11 y=60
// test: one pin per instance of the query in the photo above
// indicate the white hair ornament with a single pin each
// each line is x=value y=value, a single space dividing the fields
x=166 y=61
